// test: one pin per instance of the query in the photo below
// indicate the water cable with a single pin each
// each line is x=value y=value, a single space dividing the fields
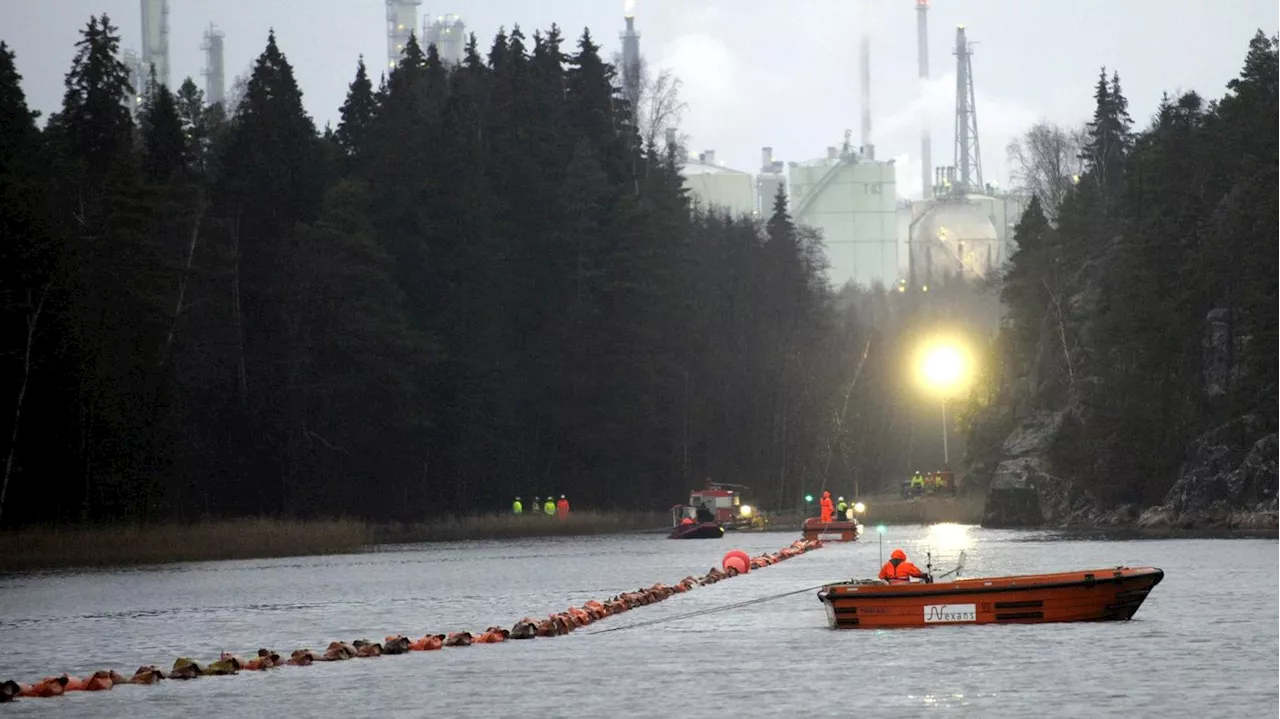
x=556 y=624
x=710 y=610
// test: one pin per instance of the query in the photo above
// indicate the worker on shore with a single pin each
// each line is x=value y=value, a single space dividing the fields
x=841 y=507
x=917 y=484
x=536 y=506
x=826 y=506
x=549 y=507
x=948 y=480
x=898 y=570
x=517 y=507
x=562 y=508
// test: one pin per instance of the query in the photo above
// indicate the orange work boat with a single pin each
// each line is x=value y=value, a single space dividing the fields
x=815 y=529
x=1085 y=596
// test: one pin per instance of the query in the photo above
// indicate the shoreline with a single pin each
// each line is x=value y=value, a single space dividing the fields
x=45 y=547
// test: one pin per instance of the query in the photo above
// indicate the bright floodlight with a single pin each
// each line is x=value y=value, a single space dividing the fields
x=943 y=367
x=859 y=507
x=745 y=510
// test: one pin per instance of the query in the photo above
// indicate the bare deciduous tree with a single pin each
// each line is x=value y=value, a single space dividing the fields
x=655 y=100
x=1046 y=162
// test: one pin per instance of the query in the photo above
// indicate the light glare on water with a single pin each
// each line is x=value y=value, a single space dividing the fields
x=1200 y=644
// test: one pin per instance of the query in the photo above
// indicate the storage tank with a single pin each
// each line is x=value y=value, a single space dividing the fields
x=712 y=185
x=954 y=237
x=852 y=200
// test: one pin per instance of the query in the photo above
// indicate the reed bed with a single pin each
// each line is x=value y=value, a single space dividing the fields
x=513 y=526
x=43 y=547
x=48 y=547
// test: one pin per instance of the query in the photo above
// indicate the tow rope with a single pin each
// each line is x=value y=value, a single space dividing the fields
x=711 y=610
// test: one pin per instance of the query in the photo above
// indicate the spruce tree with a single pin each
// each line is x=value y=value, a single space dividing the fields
x=1109 y=139
x=357 y=113
x=272 y=153
x=27 y=262
x=165 y=149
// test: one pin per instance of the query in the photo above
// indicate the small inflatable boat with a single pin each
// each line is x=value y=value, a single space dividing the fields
x=697 y=530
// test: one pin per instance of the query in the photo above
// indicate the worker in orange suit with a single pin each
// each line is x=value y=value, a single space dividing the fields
x=828 y=508
x=898 y=570
x=562 y=508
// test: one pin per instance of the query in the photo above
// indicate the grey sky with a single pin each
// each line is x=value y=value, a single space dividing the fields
x=756 y=72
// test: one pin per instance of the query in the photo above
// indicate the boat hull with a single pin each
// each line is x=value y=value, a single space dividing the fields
x=1113 y=594
x=705 y=530
x=815 y=529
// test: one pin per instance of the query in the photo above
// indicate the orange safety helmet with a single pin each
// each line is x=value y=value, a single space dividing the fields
x=898 y=554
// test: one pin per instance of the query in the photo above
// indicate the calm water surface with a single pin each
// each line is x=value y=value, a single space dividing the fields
x=1204 y=644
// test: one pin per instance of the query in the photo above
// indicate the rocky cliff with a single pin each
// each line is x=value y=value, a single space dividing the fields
x=1223 y=485
x=1227 y=480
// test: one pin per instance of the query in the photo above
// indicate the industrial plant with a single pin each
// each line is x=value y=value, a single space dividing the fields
x=959 y=226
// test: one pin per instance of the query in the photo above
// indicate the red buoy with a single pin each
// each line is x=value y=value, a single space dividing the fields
x=743 y=558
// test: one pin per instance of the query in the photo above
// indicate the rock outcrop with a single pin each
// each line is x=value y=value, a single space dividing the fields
x=1223 y=485
x=1228 y=480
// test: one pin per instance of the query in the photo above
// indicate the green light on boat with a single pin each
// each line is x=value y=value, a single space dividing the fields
x=808 y=497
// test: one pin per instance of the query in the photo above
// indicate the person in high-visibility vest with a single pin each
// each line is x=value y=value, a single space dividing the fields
x=917 y=483
x=562 y=508
x=841 y=506
x=549 y=507
x=939 y=483
x=517 y=507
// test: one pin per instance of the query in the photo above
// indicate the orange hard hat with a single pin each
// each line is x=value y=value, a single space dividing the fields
x=898 y=554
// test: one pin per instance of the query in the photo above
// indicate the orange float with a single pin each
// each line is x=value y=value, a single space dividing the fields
x=527 y=628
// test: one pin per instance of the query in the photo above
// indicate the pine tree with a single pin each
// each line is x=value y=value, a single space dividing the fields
x=272 y=152
x=357 y=113
x=165 y=149
x=94 y=129
x=591 y=111
x=1109 y=140
x=27 y=261
x=203 y=126
x=1027 y=280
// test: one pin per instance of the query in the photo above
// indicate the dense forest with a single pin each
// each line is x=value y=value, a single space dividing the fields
x=1141 y=301
x=482 y=283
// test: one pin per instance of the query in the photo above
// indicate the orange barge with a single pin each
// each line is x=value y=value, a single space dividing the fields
x=1085 y=596
x=815 y=529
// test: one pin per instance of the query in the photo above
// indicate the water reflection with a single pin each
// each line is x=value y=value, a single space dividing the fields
x=1176 y=664
x=948 y=538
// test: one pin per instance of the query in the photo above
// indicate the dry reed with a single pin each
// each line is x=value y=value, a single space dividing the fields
x=46 y=547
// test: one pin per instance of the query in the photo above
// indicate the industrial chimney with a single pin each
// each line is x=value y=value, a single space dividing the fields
x=865 y=54
x=630 y=54
x=922 y=39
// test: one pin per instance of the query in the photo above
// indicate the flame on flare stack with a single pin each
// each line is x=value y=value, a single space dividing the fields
x=629 y=8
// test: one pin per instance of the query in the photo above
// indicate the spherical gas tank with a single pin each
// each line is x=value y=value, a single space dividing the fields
x=954 y=237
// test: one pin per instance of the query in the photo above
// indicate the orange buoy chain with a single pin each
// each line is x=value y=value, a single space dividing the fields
x=735 y=562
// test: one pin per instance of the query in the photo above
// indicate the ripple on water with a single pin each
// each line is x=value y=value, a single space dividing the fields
x=1194 y=649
